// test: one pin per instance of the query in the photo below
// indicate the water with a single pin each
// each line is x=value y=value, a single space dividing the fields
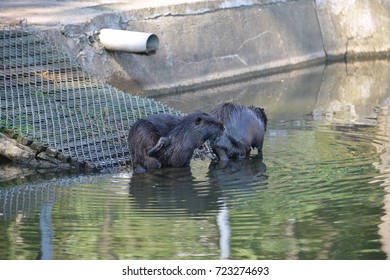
x=322 y=190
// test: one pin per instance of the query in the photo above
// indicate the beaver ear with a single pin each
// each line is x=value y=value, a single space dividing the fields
x=198 y=120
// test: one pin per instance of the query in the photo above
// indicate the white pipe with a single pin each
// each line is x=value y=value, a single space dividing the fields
x=129 y=41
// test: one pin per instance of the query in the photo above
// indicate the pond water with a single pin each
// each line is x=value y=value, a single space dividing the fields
x=322 y=190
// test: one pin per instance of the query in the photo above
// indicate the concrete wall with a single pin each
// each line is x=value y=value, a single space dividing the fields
x=355 y=28
x=211 y=42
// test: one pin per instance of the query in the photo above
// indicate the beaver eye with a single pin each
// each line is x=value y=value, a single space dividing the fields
x=198 y=120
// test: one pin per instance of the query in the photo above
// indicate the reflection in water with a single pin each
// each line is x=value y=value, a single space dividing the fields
x=321 y=192
x=346 y=96
x=286 y=96
x=252 y=170
x=177 y=194
x=46 y=229
x=200 y=195
x=359 y=95
x=224 y=231
x=382 y=144
x=173 y=188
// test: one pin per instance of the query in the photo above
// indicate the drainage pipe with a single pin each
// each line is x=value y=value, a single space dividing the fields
x=129 y=41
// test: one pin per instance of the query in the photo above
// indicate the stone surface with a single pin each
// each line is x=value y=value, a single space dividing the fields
x=17 y=153
x=355 y=28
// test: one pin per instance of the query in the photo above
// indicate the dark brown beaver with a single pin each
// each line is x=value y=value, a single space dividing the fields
x=166 y=140
x=244 y=129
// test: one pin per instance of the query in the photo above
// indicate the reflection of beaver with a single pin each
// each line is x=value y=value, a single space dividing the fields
x=166 y=140
x=244 y=129
x=174 y=192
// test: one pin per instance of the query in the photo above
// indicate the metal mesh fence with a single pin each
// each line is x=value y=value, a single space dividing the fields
x=48 y=99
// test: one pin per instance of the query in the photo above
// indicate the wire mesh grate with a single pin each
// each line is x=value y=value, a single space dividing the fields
x=49 y=99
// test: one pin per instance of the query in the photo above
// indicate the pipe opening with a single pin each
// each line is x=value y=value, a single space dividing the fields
x=152 y=44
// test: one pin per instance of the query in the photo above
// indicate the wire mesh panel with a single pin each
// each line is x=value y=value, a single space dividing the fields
x=49 y=100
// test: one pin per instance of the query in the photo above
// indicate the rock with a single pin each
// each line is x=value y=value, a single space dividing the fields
x=16 y=152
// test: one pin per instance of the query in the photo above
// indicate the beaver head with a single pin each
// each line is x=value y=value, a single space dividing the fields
x=195 y=129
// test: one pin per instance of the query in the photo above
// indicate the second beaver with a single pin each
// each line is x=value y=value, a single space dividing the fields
x=166 y=140
x=244 y=129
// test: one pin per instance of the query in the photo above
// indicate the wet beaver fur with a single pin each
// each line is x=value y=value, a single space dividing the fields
x=166 y=140
x=244 y=129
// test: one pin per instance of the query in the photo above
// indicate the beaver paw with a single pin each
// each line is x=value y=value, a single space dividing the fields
x=161 y=143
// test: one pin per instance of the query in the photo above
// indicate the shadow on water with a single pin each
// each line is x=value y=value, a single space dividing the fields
x=322 y=191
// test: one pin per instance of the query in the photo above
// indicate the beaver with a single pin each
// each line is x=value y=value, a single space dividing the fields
x=166 y=140
x=244 y=129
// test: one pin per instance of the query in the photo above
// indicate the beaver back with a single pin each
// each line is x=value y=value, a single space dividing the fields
x=194 y=129
x=244 y=129
x=167 y=140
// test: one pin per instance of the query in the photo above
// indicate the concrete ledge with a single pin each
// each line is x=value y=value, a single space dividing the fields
x=204 y=43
